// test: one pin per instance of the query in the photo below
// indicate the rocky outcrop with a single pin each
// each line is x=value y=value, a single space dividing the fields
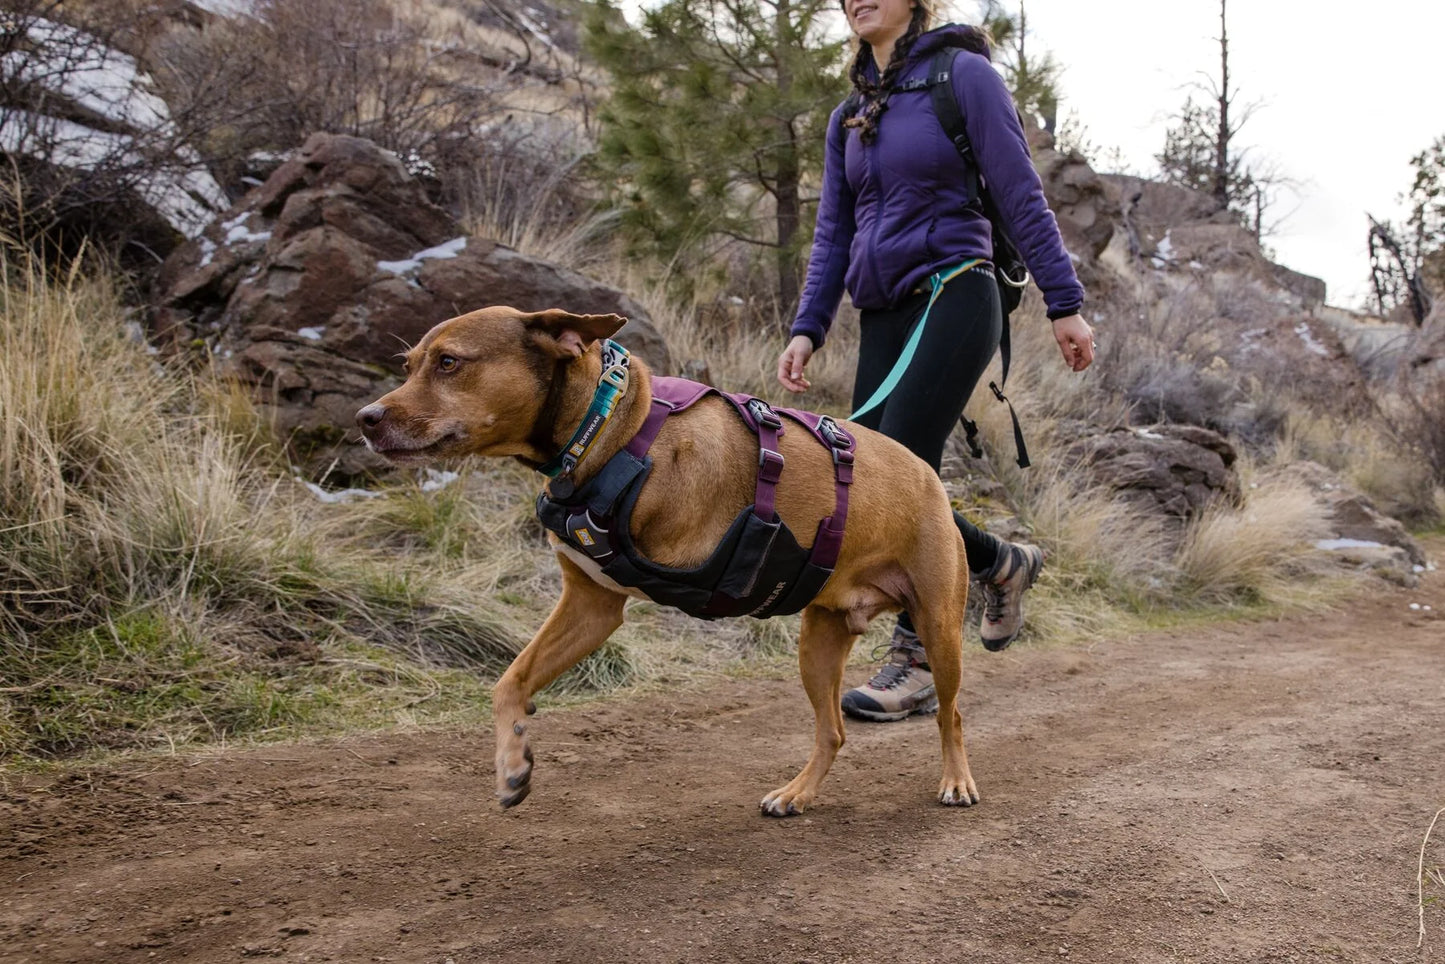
x=309 y=288
x=1169 y=470
x=1360 y=535
x=1085 y=204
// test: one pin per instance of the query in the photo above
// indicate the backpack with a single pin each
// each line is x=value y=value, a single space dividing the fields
x=1011 y=274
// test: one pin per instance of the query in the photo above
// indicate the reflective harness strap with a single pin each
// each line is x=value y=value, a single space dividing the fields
x=936 y=281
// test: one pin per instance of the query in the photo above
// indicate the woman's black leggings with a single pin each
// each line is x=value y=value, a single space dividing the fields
x=959 y=340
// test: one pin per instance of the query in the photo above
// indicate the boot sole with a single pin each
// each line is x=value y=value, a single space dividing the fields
x=874 y=716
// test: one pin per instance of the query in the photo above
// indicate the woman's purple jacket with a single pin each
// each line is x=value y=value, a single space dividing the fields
x=894 y=212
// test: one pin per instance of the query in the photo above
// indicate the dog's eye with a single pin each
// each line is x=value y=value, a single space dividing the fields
x=446 y=363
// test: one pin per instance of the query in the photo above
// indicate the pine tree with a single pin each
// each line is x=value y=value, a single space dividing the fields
x=1426 y=222
x=1407 y=262
x=716 y=123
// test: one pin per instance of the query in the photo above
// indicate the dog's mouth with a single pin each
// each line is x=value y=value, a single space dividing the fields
x=402 y=452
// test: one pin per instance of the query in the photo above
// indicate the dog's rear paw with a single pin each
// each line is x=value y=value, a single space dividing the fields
x=958 y=795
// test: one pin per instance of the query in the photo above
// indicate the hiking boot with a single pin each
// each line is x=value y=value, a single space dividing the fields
x=901 y=687
x=1017 y=567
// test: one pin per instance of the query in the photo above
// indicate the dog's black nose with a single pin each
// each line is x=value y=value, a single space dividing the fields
x=371 y=415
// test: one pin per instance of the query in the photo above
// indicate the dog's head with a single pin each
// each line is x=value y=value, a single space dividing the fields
x=476 y=384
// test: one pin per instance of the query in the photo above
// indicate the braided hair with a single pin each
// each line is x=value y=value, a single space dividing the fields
x=874 y=96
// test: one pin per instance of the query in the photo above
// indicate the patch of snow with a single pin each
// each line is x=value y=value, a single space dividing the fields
x=449 y=249
x=227 y=8
x=1417 y=607
x=79 y=66
x=312 y=334
x=1165 y=249
x=438 y=480
x=208 y=251
x=341 y=495
x=418 y=166
x=1303 y=330
x=1145 y=433
x=236 y=232
x=1331 y=545
x=399 y=267
x=186 y=198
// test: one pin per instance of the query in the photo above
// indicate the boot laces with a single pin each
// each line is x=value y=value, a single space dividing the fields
x=996 y=590
x=994 y=599
x=901 y=661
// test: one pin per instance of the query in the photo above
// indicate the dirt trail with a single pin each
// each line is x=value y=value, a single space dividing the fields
x=1246 y=793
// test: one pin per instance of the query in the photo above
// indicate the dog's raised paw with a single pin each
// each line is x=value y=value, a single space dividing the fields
x=510 y=800
x=519 y=783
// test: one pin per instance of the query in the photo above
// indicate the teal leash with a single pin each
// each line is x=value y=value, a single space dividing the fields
x=936 y=281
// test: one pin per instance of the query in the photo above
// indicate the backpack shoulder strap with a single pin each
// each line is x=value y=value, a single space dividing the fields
x=950 y=115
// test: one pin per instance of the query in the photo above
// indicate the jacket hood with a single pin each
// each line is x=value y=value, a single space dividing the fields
x=948 y=35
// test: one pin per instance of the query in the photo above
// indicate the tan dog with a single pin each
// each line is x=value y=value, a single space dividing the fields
x=480 y=384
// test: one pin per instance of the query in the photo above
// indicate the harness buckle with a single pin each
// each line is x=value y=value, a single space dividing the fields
x=770 y=465
x=764 y=413
x=837 y=438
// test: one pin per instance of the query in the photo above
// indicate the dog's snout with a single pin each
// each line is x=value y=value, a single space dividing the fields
x=371 y=415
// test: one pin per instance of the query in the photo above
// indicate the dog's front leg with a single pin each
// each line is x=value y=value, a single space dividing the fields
x=581 y=621
x=823 y=647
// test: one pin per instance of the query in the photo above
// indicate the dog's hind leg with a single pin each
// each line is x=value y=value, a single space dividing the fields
x=823 y=647
x=583 y=618
x=939 y=623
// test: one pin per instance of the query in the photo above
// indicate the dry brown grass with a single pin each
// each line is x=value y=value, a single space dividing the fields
x=163 y=580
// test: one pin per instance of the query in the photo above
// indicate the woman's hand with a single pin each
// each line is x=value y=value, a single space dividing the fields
x=1076 y=341
x=792 y=362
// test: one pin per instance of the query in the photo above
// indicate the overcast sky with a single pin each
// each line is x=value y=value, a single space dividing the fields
x=1346 y=95
x=1343 y=96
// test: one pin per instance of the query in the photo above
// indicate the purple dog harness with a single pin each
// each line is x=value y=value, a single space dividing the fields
x=758 y=569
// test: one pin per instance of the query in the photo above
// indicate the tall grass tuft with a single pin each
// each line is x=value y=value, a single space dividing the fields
x=1255 y=552
x=162 y=581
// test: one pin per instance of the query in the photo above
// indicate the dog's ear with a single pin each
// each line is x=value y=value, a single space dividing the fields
x=565 y=335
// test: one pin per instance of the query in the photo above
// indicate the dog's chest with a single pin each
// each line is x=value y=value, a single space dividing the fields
x=594 y=572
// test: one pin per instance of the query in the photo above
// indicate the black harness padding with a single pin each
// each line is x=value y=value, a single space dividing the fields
x=758 y=569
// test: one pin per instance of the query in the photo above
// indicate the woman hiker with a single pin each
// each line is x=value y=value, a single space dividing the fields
x=894 y=211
